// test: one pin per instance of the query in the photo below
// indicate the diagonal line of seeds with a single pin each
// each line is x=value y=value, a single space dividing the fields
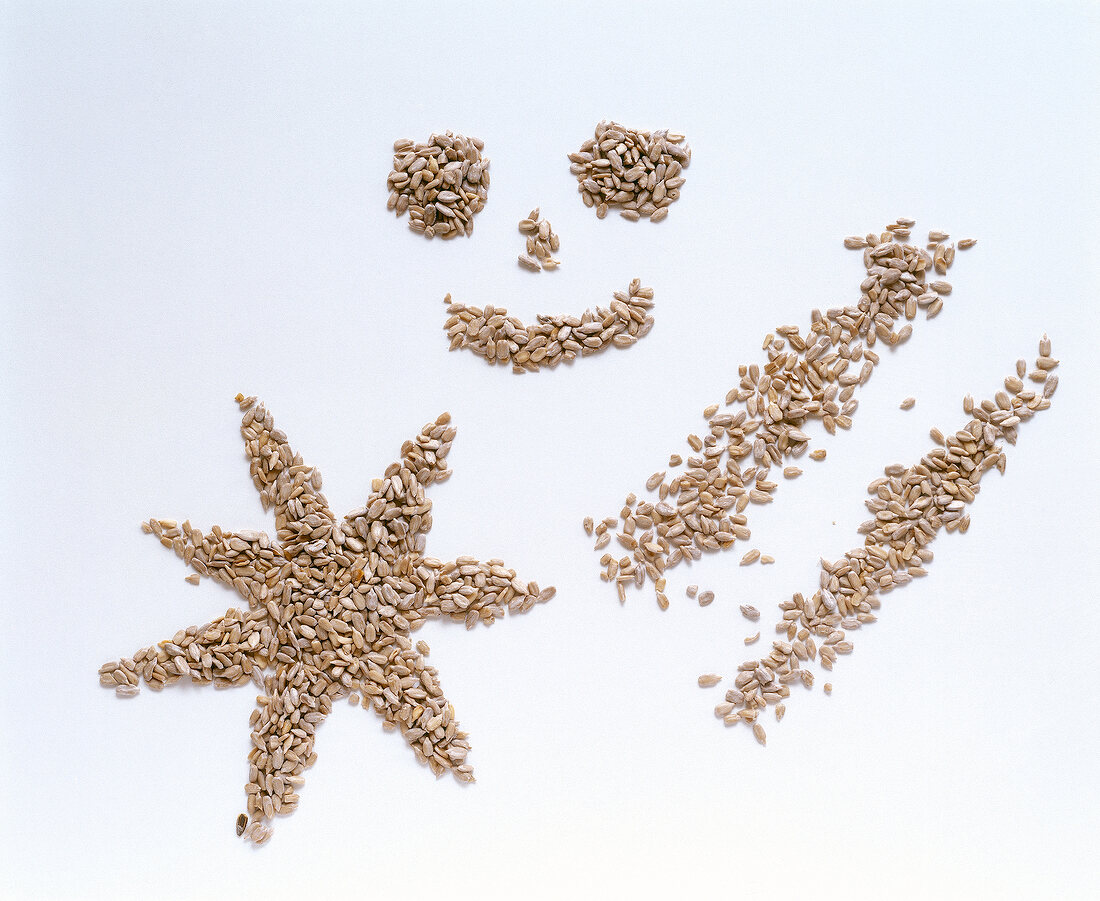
x=497 y=337
x=805 y=377
x=331 y=605
x=911 y=504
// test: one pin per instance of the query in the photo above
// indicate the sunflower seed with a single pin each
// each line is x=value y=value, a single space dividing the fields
x=498 y=338
x=541 y=242
x=638 y=171
x=709 y=680
x=805 y=375
x=442 y=184
x=910 y=505
x=351 y=611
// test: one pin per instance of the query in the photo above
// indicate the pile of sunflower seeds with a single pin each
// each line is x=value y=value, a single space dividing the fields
x=812 y=376
x=499 y=338
x=441 y=184
x=911 y=504
x=331 y=606
x=639 y=172
x=542 y=243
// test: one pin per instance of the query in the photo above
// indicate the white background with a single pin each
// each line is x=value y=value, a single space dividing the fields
x=194 y=205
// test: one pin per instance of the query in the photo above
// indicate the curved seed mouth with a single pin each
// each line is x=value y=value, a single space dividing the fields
x=499 y=338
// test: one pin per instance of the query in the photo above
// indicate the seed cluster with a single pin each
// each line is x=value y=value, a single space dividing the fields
x=911 y=504
x=331 y=605
x=639 y=172
x=499 y=338
x=805 y=377
x=542 y=243
x=442 y=184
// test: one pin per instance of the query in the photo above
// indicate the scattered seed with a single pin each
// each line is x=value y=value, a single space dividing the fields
x=791 y=472
x=242 y=821
x=908 y=403
x=706 y=598
x=691 y=590
x=752 y=639
x=709 y=680
x=818 y=454
x=750 y=612
x=761 y=735
x=192 y=579
x=751 y=557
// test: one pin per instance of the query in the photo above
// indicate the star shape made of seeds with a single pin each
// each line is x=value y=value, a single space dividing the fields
x=331 y=606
